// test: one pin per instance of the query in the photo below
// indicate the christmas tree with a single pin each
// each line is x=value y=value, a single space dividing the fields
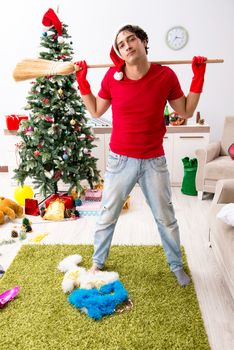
x=56 y=141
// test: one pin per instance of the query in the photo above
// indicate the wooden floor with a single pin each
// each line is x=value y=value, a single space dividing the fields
x=136 y=226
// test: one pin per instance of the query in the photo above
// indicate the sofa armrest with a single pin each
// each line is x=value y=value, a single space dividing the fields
x=205 y=155
x=209 y=153
x=224 y=192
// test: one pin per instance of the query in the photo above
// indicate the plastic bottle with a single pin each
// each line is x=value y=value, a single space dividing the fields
x=166 y=115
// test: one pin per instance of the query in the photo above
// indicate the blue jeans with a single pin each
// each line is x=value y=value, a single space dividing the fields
x=121 y=175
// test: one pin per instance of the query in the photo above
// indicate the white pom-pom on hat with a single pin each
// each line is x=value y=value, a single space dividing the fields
x=118 y=75
x=46 y=28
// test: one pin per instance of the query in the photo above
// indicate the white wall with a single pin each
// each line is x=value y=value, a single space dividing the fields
x=92 y=25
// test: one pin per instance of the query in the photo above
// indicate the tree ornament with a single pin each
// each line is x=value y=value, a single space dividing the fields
x=82 y=137
x=37 y=153
x=45 y=100
x=70 y=111
x=55 y=127
x=60 y=57
x=65 y=156
x=49 y=119
x=73 y=122
x=77 y=127
x=28 y=130
x=49 y=174
x=86 y=151
x=78 y=202
x=57 y=175
x=44 y=34
x=60 y=39
x=50 y=32
x=46 y=28
x=60 y=91
x=50 y=131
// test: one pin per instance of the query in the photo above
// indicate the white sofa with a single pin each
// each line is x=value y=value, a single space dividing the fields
x=222 y=234
x=214 y=163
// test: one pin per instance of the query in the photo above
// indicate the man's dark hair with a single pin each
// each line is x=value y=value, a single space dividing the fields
x=140 y=33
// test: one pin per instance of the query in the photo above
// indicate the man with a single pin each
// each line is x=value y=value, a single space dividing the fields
x=138 y=91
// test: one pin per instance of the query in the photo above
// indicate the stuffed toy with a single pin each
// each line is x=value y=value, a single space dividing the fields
x=97 y=294
x=9 y=208
x=79 y=277
x=97 y=303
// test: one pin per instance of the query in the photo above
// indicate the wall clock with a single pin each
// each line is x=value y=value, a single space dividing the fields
x=177 y=37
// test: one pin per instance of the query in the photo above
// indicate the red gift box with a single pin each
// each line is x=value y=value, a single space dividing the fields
x=13 y=121
x=31 y=207
x=68 y=200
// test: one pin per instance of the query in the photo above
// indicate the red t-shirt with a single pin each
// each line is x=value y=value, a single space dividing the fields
x=138 y=110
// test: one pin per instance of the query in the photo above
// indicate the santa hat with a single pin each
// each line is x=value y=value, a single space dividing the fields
x=118 y=62
x=51 y=19
x=115 y=56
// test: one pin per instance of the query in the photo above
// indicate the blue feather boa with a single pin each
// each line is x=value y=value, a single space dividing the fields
x=99 y=302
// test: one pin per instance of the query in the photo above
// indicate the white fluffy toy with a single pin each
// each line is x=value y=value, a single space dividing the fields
x=79 y=277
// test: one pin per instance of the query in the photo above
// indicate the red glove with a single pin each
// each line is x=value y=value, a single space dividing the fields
x=199 y=68
x=81 y=73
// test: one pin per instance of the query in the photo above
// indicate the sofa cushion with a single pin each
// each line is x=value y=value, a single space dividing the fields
x=226 y=214
x=220 y=168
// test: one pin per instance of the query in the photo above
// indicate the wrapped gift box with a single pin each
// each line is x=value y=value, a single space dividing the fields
x=31 y=207
x=93 y=195
x=13 y=121
x=68 y=200
x=89 y=208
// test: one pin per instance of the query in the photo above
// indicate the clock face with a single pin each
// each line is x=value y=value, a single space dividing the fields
x=177 y=37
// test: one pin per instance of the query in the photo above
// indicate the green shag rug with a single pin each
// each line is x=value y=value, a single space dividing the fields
x=164 y=315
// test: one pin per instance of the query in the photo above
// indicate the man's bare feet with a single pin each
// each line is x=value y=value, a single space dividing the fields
x=94 y=268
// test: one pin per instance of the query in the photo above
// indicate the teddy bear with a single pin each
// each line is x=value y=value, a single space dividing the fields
x=9 y=208
x=78 y=277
